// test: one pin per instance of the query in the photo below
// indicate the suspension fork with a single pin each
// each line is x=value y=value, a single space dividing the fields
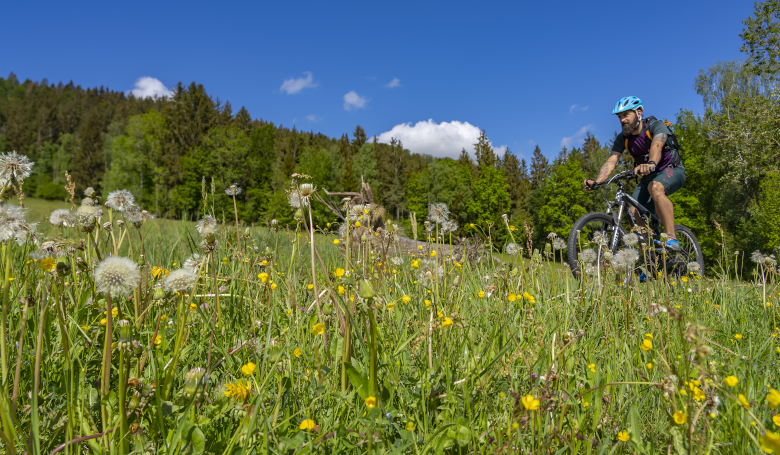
x=614 y=242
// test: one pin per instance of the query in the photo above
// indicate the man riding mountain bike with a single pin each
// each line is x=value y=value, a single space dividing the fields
x=655 y=152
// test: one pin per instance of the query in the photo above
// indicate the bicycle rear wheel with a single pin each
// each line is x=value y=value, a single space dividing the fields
x=590 y=227
x=690 y=251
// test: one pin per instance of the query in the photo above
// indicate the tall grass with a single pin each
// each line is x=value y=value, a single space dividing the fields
x=284 y=346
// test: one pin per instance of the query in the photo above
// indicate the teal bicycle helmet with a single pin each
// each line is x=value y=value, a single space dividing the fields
x=629 y=103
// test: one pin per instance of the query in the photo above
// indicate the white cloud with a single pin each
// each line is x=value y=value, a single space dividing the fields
x=445 y=139
x=313 y=118
x=575 y=107
x=394 y=83
x=354 y=101
x=150 y=87
x=568 y=141
x=292 y=86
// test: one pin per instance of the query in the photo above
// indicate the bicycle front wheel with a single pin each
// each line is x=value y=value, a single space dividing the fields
x=594 y=231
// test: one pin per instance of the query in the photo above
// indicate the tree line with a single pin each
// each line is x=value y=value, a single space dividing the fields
x=170 y=151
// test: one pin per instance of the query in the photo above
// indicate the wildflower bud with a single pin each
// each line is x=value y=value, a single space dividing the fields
x=159 y=293
x=81 y=264
x=246 y=231
x=608 y=255
x=135 y=401
x=195 y=382
x=63 y=268
x=298 y=215
x=107 y=225
x=366 y=290
x=120 y=224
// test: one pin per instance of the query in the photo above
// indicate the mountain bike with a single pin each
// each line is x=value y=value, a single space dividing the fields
x=606 y=231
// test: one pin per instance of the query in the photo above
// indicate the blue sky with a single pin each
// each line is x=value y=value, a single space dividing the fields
x=526 y=72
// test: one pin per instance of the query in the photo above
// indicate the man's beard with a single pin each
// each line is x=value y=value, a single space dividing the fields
x=628 y=129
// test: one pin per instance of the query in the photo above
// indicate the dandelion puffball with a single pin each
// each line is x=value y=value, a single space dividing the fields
x=207 y=226
x=117 y=276
x=14 y=166
x=438 y=212
x=61 y=218
x=120 y=200
x=179 y=280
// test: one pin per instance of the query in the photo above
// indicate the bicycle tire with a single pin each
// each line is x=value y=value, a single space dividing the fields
x=573 y=241
x=682 y=231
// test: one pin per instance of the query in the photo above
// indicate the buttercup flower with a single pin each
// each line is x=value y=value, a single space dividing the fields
x=248 y=369
x=307 y=424
x=530 y=403
x=371 y=402
x=730 y=381
x=679 y=417
x=623 y=436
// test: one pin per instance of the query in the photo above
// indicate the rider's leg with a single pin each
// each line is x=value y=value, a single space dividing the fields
x=663 y=205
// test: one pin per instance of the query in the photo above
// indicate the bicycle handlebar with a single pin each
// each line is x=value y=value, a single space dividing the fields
x=625 y=175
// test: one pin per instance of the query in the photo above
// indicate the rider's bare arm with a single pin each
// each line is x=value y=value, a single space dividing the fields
x=608 y=167
x=657 y=147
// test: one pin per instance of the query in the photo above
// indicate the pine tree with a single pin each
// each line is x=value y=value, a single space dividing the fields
x=511 y=169
x=540 y=168
x=243 y=120
x=89 y=156
x=359 y=139
x=484 y=152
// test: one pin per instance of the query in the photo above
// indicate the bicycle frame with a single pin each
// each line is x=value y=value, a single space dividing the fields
x=621 y=202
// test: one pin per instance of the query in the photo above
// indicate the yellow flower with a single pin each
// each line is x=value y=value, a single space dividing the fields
x=585 y=404
x=530 y=403
x=248 y=369
x=649 y=336
x=679 y=417
x=390 y=305
x=352 y=297
x=770 y=442
x=773 y=398
x=512 y=297
x=336 y=241
x=427 y=304
x=698 y=394
x=237 y=390
x=310 y=287
x=649 y=366
x=163 y=317
x=339 y=272
x=738 y=336
x=471 y=225
x=410 y=426
x=263 y=277
x=776 y=419
x=684 y=279
x=433 y=253
x=406 y=299
x=481 y=294
x=84 y=328
x=193 y=307
x=419 y=247
x=273 y=286
x=415 y=263
x=647 y=345
x=307 y=424
x=529 y=297
x=371 y=402
x=592 y=367
x=103 y=321
x=731 y=381
x=48 y=264
x=297 y=352
x=113 y=345
x=446 y=322
x=357 y=224
x=341 y=290
x=623 y=436
x=158 y=340
x=158 y=272
x=318 y=329
x=743 y=401
x=511 y=227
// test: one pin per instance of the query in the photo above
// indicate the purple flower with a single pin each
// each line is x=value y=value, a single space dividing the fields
x=222 y=288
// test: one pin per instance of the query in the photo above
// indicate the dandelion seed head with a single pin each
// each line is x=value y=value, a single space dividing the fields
x=233 y=190
x=449 y=226
x=600 y=238
x=552 y=236
x=14 y=166
x=397 y=260
x=87 y=214
x=193 y=263
x=120 y=200
x=87 y=201
x=511 y=249
x=62 y=218
x=758 y=257
x=428 y=226
x=559 y=244
x=438 y=212
x=89 y=192
x=693 y=267
x=306 y=189
x=12 y=222
x=117 y=276
x=206 y=226
x=624 y=260
x=630 y=239
x=179 y=280
x=295 y=200
x=587 y=256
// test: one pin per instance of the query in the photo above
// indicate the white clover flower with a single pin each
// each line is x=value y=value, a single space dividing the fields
x=117 y=276
x=14 y=166
x=120 y=200
x=62 y=218
x=179 y=280
x=438 y=212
